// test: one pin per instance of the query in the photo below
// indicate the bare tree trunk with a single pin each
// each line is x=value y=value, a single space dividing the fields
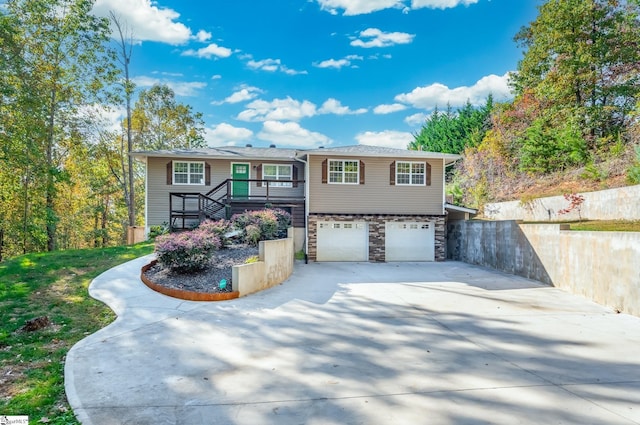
x=50 y=185
x=105 y=218
x=96 y=238
x=126 y=47
x=25 y=217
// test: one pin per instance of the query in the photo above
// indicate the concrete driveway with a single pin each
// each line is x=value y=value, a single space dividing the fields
x=417 y=343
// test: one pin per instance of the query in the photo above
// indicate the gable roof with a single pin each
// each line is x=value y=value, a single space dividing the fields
x=225 y=152
x=378 y=151
x=284 y=154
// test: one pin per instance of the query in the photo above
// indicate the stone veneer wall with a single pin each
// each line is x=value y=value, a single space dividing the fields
x=376 y=224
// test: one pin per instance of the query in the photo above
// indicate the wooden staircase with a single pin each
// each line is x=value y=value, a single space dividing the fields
x=187 y=210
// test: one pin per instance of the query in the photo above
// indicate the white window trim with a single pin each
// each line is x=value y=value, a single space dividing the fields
x=274 y=182
x=329 y=161
x=411 y=174
x=173 y=173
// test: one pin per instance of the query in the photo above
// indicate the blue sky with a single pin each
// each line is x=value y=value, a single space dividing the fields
x=308 y=73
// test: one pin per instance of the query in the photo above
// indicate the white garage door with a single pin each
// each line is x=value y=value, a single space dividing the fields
x=342 y=241
x=414 y=241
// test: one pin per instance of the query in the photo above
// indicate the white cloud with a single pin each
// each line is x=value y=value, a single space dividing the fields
x=387 y=139
x=203 y=36
x=245 y=93
x=289 y=71
x=207 y=52
x=416 y=120
x=184 y=88
x=440 y=4
x=226 y=134
x=373 y=37
x=147 y=21
x=389 y=109
x=339 y=63
x=277 y=110
x=168 y=74
x=358 y=7
x=333 y=106
x=361 y=7
x=428 y=97
x=271 y=65
x=291 y=134
x=216 y=77
x=180 y=88
x=332 y=63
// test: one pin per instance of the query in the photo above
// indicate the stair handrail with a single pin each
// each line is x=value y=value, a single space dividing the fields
x=217 y=188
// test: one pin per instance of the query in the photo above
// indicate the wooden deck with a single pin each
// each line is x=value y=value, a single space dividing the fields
x=188 y=209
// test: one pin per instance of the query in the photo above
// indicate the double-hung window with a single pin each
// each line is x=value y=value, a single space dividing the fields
x=344 y=171
x=410 y=173
x=188 y=172
x=277 y=172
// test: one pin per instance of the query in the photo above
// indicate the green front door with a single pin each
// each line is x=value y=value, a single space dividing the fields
x=240 y=189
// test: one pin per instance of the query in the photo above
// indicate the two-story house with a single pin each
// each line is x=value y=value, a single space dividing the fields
x=351 y=203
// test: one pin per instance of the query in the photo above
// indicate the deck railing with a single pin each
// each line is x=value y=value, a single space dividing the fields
x=190 y=206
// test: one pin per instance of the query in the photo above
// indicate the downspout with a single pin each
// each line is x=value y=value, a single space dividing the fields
x=444 y=184
x=306 y=206
x=147 y=228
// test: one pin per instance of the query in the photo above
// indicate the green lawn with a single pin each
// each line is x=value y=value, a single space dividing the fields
x=597 y=225
x=53 y=285
x=607 y=226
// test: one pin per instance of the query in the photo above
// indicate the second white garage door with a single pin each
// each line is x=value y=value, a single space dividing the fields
x=409 y=241
x=342 y=241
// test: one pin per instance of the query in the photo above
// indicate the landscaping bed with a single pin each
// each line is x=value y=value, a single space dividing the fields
x=197 y=264
x=208 y=280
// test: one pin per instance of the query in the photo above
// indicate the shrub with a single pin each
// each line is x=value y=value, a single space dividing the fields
x=633 y=173
x=157 y=230
x=262 y=225
x=186 y=252
x=252 y=234
x=267 y=221
x=218 y=228
x=284 y=222
x=575 y=203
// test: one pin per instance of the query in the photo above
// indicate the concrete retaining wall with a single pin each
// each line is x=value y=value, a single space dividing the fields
x=612 y=204
x=275 y=265
x=602 y=266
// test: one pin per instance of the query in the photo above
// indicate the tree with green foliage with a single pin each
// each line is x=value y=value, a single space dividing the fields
x=160 y=122
x=583 y=58
x=453 y=131
x=63 y=66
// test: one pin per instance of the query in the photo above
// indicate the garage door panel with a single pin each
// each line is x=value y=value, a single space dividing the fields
x=342 y=241
x=410 y=241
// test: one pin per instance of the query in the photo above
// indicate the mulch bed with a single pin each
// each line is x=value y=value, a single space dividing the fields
x=208 y=280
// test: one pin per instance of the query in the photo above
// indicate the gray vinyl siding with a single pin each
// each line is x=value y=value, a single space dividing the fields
x=376 y=196
x=158 y=190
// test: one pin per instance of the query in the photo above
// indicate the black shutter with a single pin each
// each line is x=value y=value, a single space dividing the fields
x=294 y=175
x=392 y=174
x=259 y=175
x=324 y=171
